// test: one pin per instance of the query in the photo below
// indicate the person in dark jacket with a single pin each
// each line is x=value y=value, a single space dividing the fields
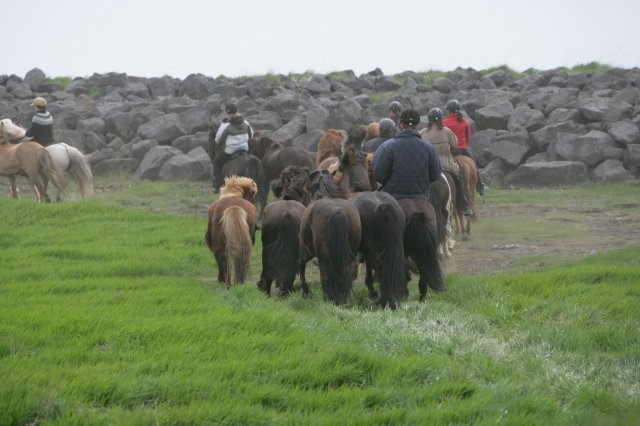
x=406 y=165
x=233 y=136
x=387 y=129
x=395 y=109
x=41 y=129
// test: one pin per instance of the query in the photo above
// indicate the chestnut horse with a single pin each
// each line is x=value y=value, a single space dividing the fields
x=280 y=245
x=30 y=159
x=469 y=177
x=330 y=144
x=330 y=230
x=231 y=229
x=382 y=223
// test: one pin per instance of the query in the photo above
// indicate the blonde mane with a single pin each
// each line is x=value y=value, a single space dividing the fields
x=239 y=187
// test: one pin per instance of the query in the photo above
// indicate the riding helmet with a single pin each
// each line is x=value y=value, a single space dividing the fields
x=395 y=107
x=435 y=114
x=453 y=105
x=39 y=102
x=387 y=126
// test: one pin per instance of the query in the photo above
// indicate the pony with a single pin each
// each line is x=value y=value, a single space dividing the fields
x=382 y=222
x=72 y=161
x=330 y=230
x=231 y=229
x=442 y=194
x=280 y=245
x=275 y=157
x=249 y=166
x=330 y=144
x=27 y=158
x=469 y=176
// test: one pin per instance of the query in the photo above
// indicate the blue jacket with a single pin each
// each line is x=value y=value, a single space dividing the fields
x=406 y=165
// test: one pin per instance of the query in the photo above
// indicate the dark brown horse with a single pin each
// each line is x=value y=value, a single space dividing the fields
x=275 y=157
x=280 y=245
x=382 y=222
x=330 y=230
x=231 y=229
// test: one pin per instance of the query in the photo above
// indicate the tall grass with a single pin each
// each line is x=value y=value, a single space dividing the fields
x=110 y=314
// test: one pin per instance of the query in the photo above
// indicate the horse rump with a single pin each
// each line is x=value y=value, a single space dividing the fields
x=389 y=227
x=280 y=245
x=336 y=258
x=238 y=243
x=420 y=243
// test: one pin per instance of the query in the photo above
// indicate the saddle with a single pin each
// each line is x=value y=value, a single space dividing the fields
x=238 y=154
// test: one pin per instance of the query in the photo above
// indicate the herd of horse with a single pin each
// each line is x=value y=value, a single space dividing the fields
x=327 y=208
x=332 y=211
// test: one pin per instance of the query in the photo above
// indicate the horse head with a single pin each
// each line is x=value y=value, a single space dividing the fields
x=322 y=185
x=353 y=173
x=9 y=130
x=293 y=180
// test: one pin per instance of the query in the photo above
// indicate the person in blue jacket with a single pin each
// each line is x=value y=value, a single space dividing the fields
x=406 y=165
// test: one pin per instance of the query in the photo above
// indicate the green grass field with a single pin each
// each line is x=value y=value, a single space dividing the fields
x=110 y=314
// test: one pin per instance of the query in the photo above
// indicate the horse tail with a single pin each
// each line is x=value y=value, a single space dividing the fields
x=389 y=228
x=283 y=252
x=439 y=203
x=338 y=276
x=421 y=243
x=238 y=242
x=50 y=171
x=81 y=171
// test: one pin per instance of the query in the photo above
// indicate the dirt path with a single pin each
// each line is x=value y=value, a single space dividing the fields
x=601 y=230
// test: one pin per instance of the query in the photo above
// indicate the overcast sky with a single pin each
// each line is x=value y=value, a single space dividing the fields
x=237 y=38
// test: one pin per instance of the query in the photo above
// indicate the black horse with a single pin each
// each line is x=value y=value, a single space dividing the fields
x=275 y=157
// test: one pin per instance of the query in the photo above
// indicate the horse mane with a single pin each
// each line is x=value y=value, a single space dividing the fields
x=330 y=144
x=373 y=131
x=9 y=130
x=353 y=164
x=239 y=187
x=322 y=185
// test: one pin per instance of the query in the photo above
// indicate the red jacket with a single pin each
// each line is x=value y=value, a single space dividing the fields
x=461 y=129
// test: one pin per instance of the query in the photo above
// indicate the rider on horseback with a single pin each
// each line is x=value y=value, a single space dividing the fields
x=445 y=142
x=460 y=126
x=406 y=165
x=41 y=129
x=232 y=137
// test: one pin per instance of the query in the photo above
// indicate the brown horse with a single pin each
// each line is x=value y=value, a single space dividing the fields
x=280 y=245
x=330 y=230
x=469 y=176
x=382 y=222
x=231 y=228
x=28 y=159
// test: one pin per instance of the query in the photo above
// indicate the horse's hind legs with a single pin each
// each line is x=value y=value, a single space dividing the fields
x=265 y=283
x=306 y=292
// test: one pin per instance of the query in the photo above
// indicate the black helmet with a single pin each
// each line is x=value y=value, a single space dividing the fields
x=453 y=105
x=395 y=107
x=410 y=117
x=435 y=114
x=387 y=126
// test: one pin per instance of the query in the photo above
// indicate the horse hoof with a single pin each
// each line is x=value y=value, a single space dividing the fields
x=306 y=294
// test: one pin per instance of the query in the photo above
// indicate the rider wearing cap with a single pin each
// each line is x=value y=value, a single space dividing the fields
x=460 y=126
x=387 y=130
x=445 y=142
x=406 y=165
x=41 y=129
x=233 y=136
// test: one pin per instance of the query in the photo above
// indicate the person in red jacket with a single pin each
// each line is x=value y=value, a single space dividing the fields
x=459 y=125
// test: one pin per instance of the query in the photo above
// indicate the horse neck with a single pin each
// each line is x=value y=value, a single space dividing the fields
x=326 y=189
x=356 y=177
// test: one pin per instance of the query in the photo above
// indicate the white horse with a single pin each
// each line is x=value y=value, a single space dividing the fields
x=65 y=157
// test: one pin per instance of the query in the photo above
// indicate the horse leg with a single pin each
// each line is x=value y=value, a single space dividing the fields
x=265 y=283
x=221 y=260
x=14 y=188
x=306 y=292
x=368 y=280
